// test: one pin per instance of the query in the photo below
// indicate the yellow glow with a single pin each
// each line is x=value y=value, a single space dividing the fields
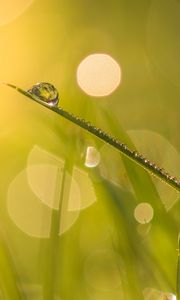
x=92 y=157
x=98 y=75
x=143 y=213
x=11 y=9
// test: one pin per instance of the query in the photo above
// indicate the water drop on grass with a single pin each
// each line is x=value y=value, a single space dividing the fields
x=45 y=92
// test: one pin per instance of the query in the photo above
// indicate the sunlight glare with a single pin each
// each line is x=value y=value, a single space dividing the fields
x=98 y=75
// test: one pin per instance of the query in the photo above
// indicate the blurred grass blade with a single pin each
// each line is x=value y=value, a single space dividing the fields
x=114 y=142
x=140 y=180
x=53 y=249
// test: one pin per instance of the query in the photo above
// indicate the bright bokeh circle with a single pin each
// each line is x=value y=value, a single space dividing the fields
x=143 y=213
x=98 y=75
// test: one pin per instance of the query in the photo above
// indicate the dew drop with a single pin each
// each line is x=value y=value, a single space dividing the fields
x=135 y=154
x=125 y=147
x=45 y=92
x=88 y=124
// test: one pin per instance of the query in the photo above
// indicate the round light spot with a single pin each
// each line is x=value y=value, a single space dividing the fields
x=10 y=10
x=92 y=157
x=143 y=213
x=98 y=75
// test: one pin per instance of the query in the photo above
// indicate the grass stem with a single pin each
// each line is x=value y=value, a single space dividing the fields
x=136 y=157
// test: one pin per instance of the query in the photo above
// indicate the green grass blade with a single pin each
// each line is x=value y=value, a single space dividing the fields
x=136 y=157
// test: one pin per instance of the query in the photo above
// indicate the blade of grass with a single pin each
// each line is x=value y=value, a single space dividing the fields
x=50 y=251
x=53 y=248
x=114 y=142
x=140 y=180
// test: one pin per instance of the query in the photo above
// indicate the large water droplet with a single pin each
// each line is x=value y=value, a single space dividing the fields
x=45 y=92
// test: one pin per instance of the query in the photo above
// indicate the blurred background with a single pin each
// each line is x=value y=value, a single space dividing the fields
x=78 y=220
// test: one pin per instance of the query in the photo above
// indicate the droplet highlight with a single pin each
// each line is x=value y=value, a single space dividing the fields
x=92 y=157
x=45 y=92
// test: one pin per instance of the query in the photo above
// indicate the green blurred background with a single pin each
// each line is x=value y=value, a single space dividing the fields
x=100 y=252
